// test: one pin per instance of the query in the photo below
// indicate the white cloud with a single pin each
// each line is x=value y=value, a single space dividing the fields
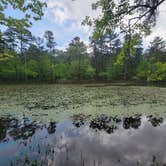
x=63 y=10
x=68 y=15
x=60 y=16
x=60 y=11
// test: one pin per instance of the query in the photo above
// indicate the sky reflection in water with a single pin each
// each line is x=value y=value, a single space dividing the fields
x=102 y=141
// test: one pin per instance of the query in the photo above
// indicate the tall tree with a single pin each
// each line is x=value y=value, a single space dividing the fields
x=31 y=10
x=49 y=35
x=105 y=51
x=130 y=17
x=157 y=50
x=39 y=42
x=77 y=50
x=2 y=42
x=25 y=38
x=10 y=37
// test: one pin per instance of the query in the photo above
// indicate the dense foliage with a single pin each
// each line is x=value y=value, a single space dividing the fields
x=31 y=10
x=114 y=56
x=24 y=57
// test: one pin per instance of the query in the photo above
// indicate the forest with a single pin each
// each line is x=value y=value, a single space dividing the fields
x=114 y=54
x=82 y=83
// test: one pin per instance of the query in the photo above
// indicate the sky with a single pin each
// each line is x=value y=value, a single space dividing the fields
x=64 y=17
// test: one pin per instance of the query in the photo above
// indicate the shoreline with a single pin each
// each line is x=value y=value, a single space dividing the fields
x=88 y=83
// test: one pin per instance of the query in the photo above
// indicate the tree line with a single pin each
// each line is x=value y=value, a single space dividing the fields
x=25 y=57
x=117 y=51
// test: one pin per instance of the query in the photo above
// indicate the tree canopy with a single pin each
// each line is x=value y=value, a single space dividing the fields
x=32 y=10
x=120 y=14
x=117 y=51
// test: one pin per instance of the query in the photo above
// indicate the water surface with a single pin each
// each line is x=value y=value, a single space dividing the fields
x=82 y=125
x=104 y=141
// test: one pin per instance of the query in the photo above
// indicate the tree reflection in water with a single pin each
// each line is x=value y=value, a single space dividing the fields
x=87 y=141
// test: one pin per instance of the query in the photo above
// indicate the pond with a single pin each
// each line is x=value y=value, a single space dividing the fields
x=104 y=141
x=82 y=125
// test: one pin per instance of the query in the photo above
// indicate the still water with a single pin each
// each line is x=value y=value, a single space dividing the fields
x=83 y=141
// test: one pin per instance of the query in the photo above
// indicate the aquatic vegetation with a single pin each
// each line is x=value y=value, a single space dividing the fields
x=58 y=102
